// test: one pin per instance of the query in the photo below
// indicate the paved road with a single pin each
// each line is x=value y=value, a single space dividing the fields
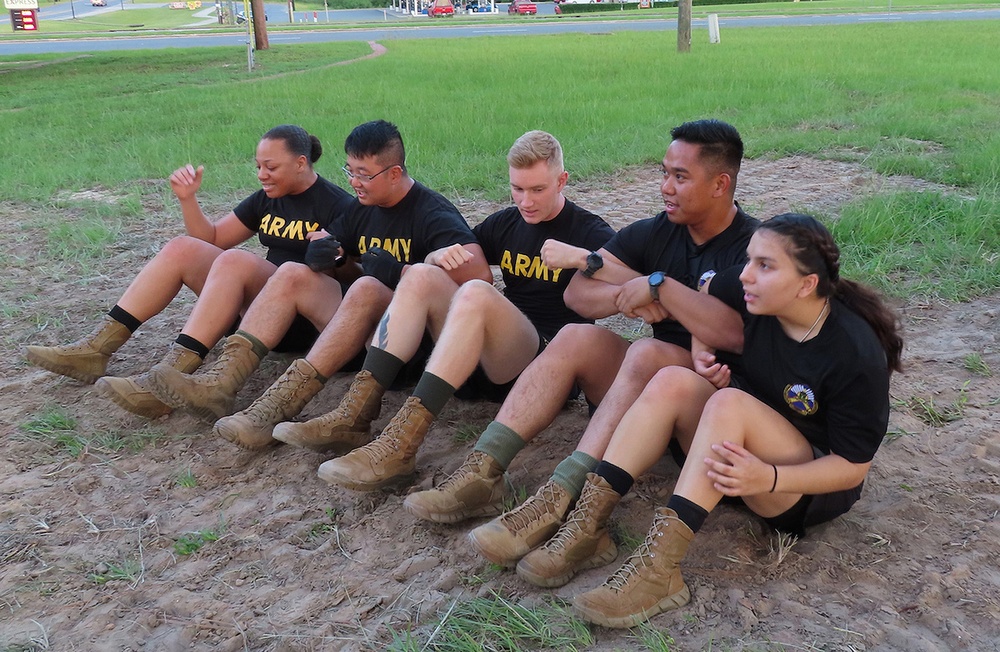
x=423 y=29
x=277 y=12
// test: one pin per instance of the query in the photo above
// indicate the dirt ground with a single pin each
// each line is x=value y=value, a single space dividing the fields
x=99 y=544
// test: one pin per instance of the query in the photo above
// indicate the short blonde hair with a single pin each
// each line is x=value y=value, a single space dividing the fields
x=533 y=147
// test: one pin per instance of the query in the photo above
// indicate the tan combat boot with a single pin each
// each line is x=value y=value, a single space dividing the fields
x=86 y=359
x=344 y=429
x=210 y=393
x=648 y=583
x=386 y=460
x=251 y=428
x=132 y=393
x=477 y=488
x=506 y=539
x=582 y=542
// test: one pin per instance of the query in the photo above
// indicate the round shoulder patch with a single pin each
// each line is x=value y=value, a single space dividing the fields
x=801 y=399
x=705 y=278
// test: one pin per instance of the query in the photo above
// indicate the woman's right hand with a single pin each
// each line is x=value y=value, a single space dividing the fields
x=708 y=368
x=186 y=181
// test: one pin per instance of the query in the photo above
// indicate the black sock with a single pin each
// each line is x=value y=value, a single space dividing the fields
x=383 y=366
x=690 y=514
x=617 y=477
x=189 y=342
x=123 y=317
x=433 y=392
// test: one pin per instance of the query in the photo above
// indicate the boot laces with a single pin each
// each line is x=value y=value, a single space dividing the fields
x=532 y=509
x=351 y=403
x=212 y=374
x=470 y=467
x=577 y=522
x=271 y=405
x=85 y=344
x=637 y=559
x=383 y=446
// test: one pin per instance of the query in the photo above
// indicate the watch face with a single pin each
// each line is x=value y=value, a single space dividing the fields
x=656 y=278
x=594 y=260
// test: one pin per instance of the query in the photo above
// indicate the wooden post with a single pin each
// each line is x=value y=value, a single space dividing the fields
x=259 y=25
x=684 y=25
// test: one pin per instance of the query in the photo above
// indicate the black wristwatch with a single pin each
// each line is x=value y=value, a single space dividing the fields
x=594 y=262
x=656 y=279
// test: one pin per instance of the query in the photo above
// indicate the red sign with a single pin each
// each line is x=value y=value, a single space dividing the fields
x=23 y=20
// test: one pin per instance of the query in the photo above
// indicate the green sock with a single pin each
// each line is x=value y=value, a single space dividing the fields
x=571 y=473
x=383 y=366
x=433 y=392
x=258 y=347
x=500 y=442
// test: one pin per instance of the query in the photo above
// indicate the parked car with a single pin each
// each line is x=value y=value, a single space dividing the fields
x=441 y=8
x=98 y=3
x=522 y=7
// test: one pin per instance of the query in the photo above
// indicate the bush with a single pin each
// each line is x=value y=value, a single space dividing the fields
x=611 y=6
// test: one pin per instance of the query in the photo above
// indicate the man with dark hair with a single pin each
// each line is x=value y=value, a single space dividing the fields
x=483 y=337
x=396 y=222
x=650 y=269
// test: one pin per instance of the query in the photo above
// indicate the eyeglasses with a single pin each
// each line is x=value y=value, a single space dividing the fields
x=364 y=178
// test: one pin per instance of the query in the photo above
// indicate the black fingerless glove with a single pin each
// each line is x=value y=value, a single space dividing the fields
x=323 y=255
x=382 y=265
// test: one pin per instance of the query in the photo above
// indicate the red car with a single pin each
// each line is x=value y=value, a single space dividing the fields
x=441 y=8
x=522 y=7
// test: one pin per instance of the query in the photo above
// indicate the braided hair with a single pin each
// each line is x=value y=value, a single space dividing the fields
x=812 y=248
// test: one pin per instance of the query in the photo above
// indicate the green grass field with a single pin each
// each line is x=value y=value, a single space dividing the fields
x=131 y=18
x=907 y=98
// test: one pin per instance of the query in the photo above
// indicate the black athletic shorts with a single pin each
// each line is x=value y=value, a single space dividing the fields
x=479 y=387
x=815 y=509
x=299 y=338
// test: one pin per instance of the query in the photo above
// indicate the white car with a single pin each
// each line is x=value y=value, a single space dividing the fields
x=98 y=3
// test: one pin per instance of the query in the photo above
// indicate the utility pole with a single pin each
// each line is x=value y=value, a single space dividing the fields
x=260 y=25
x=684 y=25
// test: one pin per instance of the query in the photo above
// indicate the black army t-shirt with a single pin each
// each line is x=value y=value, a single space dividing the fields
x=834 y=388
x=282 y=223
x=515 y=246
x=657 y=244
x=422 y=222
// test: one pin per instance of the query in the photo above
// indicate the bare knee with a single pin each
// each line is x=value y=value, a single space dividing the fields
x=574 y=339
x=474 y=297
x=291 y=280
x=425 y=280
x=647 y=356
x=237 y=262
x=185 y=251
x=368 y=289
x=593 y=353
x=726 y=401
x=673 y=383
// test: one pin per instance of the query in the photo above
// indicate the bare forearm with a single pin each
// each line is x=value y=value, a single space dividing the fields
x=820 y=476
x=714 y=323
x=591 y=298
x=196 y=223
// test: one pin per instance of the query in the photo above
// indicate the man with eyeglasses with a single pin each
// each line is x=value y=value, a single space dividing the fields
x=651 y=269
x=483 y=338
x=395 y=223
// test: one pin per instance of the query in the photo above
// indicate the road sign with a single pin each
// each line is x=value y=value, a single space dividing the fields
x=20 y=4
x=23 y=20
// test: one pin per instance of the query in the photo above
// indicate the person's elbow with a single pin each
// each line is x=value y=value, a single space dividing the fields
x=579 y=300
x=475 y=269
x=732 y=341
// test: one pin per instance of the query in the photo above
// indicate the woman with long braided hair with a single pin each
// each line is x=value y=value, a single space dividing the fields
x=793 y=436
